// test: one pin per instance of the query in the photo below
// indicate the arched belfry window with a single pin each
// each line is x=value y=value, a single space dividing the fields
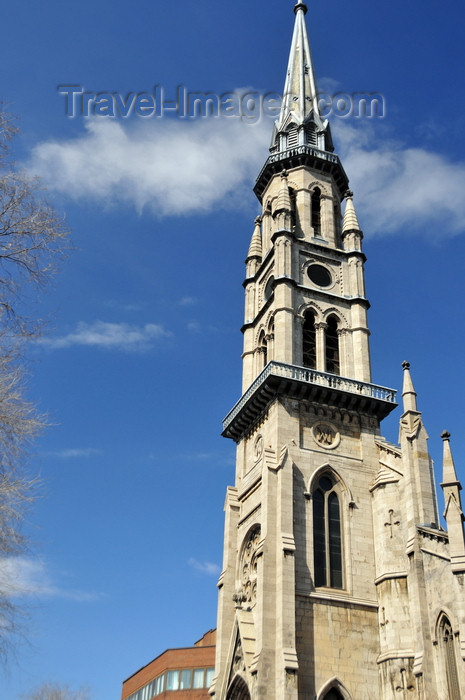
x=316 y=212
x=448 y=643
x=327 y=539
x=332 y=346
x=309 y=341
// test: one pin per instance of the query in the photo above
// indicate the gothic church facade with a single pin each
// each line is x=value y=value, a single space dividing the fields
x=338 y=581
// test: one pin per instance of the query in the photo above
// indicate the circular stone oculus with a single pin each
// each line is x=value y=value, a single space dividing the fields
x=319 y=275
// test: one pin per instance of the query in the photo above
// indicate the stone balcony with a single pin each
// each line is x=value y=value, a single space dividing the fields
x=280 y=379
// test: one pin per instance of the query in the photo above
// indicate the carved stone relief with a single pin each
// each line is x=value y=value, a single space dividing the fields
x=326 y=436
x=248 y=568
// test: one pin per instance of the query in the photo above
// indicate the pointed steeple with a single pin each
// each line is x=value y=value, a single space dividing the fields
x=409 y=394
x=301 y=137
x=255 y=248
x=254 y=258
x=453 y=512
x=350 y=216
x=449 y=475
x=300 y=91
x=300 y=120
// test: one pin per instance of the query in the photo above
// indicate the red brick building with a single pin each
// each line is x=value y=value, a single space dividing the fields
x=177 y=673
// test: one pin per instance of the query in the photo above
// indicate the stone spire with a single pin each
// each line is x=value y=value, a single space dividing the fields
x=421 y=493
x=409 y=394
x=255 y=248
x=300 y=121
x=300 y=91
x=449 y=475
x=350 y=216
x=453 y=508
x=254 y=256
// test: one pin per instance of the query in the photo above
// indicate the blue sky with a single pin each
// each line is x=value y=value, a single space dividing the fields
x=141 y=358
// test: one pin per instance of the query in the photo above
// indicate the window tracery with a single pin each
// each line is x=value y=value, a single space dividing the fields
x=447 y=644
x=327 y=535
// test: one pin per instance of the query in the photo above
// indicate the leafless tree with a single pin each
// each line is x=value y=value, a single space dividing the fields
x=32 y=240
x=32 y=235
x=54 y=691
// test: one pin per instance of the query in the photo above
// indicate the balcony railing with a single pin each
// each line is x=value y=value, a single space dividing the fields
x=311 y=376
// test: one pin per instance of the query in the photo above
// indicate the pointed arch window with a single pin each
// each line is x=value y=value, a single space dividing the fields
x=316 y=212
x=332 y=346
x=263 y=350
x=333 y=695
x=327 y=540
x=309 y=341
x=447 y=641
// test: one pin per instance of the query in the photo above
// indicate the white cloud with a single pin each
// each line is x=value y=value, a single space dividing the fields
x=399 y=189
x=109 y=336
x=167 y=166
x=184 y=166
x=194 y=327
x=205 y=567
x=187 y=301
x=25 y=577
x=74 y=452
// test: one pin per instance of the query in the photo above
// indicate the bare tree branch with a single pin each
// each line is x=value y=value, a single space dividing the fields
x=54 y=691
x=32 y=242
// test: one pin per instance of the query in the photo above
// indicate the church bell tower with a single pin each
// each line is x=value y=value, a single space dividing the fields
x=319 y=596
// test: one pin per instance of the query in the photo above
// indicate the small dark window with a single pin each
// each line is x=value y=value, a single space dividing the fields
x=309 y=341
x=319 y=275
x=327 y=541
x=332 y=346
x=316 y=212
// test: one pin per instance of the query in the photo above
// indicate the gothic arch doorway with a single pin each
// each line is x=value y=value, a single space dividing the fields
x=238 y=690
